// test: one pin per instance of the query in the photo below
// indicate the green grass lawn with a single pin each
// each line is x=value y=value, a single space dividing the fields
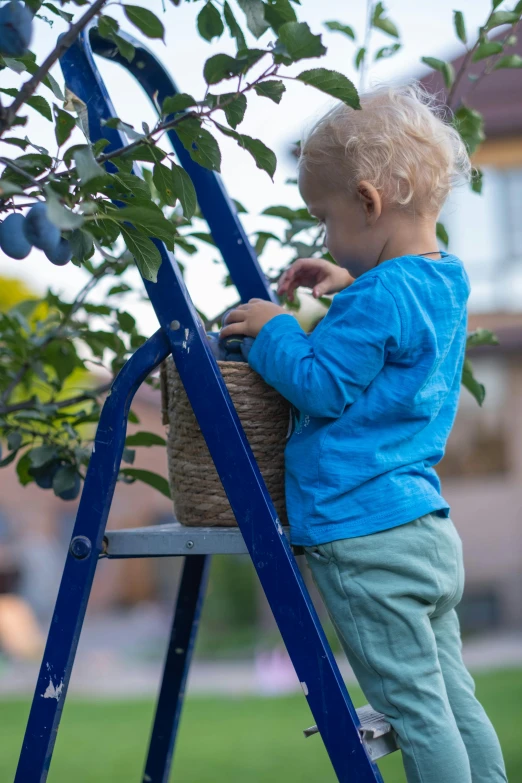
x=235 y=740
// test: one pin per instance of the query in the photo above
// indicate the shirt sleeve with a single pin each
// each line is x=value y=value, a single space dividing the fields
x=323 y=373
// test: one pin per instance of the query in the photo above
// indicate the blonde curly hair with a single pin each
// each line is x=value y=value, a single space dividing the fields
x=400 y=142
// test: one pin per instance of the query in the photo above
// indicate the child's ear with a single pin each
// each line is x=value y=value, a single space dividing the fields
x=370 y=200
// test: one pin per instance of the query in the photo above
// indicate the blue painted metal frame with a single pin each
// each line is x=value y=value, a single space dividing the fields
x=82 y=558
x=182 y=334
x=177 y=662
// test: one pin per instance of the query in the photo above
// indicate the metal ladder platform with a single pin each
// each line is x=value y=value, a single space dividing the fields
x=353 y=739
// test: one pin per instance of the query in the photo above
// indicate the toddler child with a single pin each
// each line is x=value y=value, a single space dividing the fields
x=375 y=390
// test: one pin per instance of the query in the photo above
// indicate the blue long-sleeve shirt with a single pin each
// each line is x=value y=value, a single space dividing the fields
x=375 y=389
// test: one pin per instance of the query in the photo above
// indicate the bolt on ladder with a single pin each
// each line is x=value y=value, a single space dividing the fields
x=354 y=739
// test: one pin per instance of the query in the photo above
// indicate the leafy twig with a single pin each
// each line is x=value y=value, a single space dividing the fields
x=30 y=404
x=65 y=42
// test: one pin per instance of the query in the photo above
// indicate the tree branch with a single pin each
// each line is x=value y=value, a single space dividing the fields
x=65 y=42
x=31 y=404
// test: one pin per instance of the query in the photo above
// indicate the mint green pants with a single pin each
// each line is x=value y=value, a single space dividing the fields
x=391 y=597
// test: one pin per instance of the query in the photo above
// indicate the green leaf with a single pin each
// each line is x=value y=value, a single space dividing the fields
x=481 y=337
x=264 y=157
x=286 y=213
x=145 y=439
x=64 y=124
x=9 y=188
x=63 y=14
x=145 y=20
x=446 y=69
x=107 y=25
x=221 y=66
x=337 y=27
x=7 y=460
x=502 y=17
x=232 y=24
x=125 y=48
x=382 y=22
x=62 y=357
x=510 y=61
x=254 y=11
x=40 y=105
x=81 y=243
x=175 y=103
x=332 y=83
x=209 y=22
x=14 y=441
x=184 y=190
x=278 y=12
x=262 y=238
x=86 y=165
x=470 y=125
x=460 y=26
x=22 y=470
x=271 y=88
x=299 y=42
x=442 y=234
x=60 y=215
x=359 y=57
x=201 y=145
x=145 y=252
x=387 y=51
x=126 y=321
x=235 y=110
x=119 y=289
x=472 y=385
x=162 y=178
x=42 y=456
x=147 y=477
x=486 y=50
x=148 y=219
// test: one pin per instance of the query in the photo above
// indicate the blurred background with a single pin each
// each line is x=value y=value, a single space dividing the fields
x=239 y=653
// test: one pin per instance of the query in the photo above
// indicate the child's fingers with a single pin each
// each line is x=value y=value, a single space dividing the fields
x=231 y=329
x=237 y=315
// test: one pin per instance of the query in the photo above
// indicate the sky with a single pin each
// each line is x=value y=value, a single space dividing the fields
x=426 y=29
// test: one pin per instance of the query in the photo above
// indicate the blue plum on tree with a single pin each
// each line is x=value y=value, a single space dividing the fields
x=60 y=255
x=72 y=492
x=16 y=27
x=39 y=230
x=12 y=238
x=44 y=475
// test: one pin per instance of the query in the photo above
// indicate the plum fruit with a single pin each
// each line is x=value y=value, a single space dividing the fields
x=73 y=492
x=12 y=238
x=16 y=27
x=44 y=475
x=39 y=230
x=60 y=255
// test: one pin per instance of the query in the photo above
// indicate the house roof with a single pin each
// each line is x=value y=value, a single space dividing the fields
x=498 y=96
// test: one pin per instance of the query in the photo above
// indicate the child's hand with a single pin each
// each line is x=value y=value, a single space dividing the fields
x=250 y=318
x=321 y=276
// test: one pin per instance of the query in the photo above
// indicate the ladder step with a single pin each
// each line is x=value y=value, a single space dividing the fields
x=173 y=539
x=377 y=734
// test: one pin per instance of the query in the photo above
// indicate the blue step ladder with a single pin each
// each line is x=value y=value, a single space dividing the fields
x=354 y=739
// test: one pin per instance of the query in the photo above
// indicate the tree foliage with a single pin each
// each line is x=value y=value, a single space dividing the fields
x=71 y=193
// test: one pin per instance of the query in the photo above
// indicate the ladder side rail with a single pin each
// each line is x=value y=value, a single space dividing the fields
x=215 y=204
x=80 y=565
x=176 y=668
x=271 y=554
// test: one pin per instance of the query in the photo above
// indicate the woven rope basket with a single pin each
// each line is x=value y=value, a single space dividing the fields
x=199 y=497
